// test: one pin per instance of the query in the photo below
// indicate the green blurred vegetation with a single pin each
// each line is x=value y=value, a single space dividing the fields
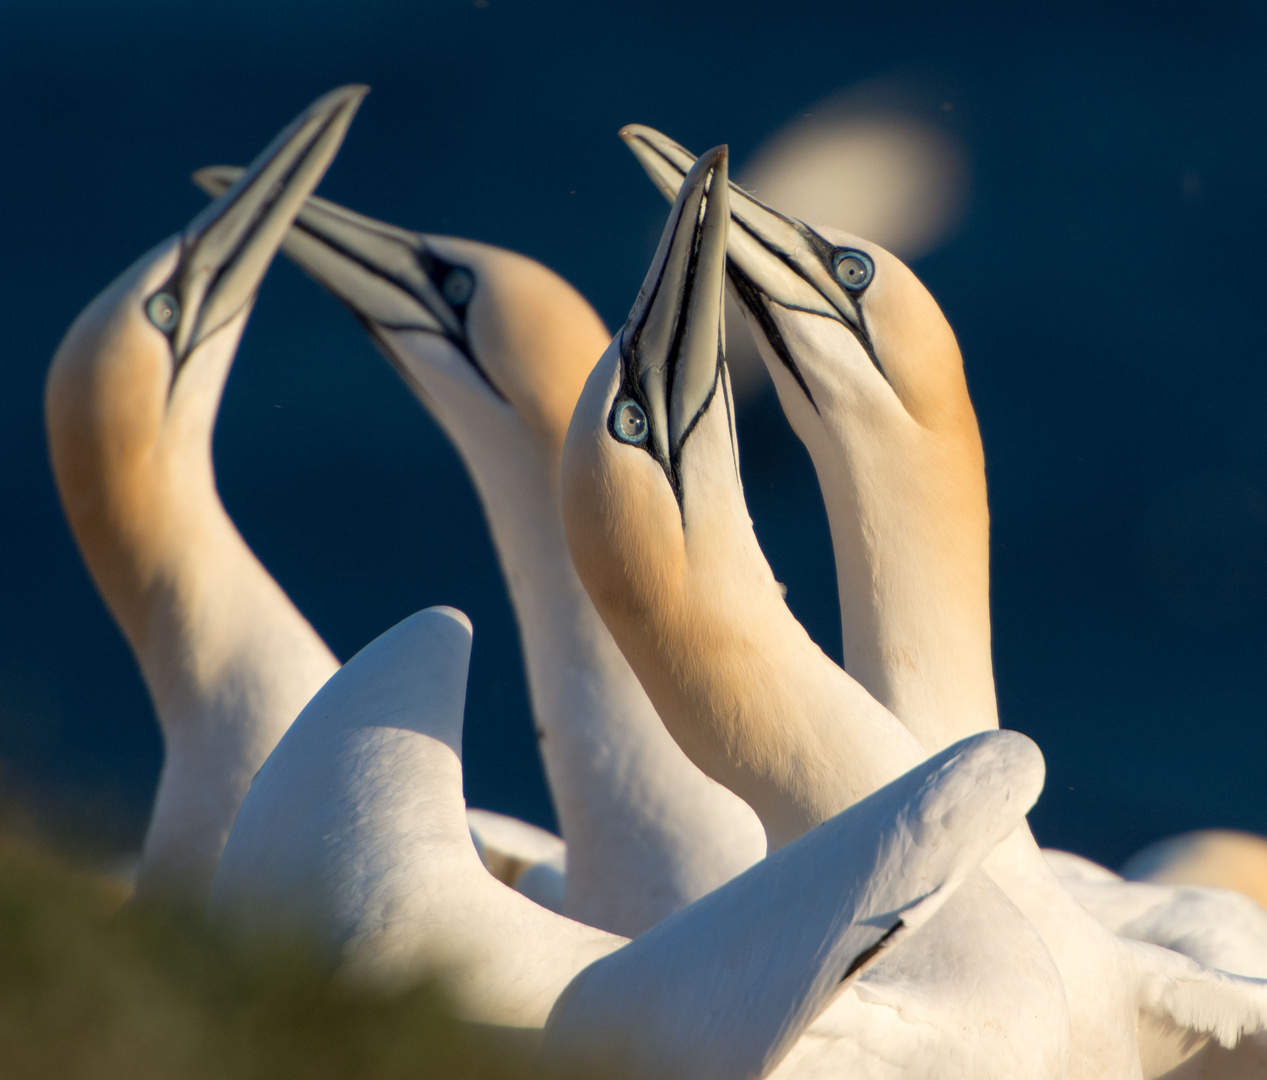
x=95 y=989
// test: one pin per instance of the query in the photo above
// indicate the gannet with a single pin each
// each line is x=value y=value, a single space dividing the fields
x=227 y=658
x=496 y=347
x=354 y=835
x=130 y=403
x=736 y=679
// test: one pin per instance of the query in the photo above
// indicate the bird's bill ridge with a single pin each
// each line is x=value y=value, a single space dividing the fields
x=672 y=343
x=226 y=249
x=772 y=258
x=387 y=276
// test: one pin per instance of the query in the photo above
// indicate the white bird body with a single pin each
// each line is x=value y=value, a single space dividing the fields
x=354 y=835
x=354 y=830
x=130 y=408
x=500 y=371
x=858 y=871
x=870 y=376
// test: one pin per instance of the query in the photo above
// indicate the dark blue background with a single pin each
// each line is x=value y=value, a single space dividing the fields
x=1107 y=287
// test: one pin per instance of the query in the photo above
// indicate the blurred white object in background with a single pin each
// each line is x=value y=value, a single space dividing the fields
x=864 y=160
x=1221 y=858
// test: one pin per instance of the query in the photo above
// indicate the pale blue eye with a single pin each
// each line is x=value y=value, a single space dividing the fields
x=854 y=270
x=163 y=310
x=631 y=422
x=458 y=286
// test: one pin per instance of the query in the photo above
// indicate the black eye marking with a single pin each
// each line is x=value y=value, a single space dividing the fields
x=758 y=302
x=162 y=308
x=455 y=283
x=629 y=422
x=164 y=312
x=854 y=269
x=628 y=407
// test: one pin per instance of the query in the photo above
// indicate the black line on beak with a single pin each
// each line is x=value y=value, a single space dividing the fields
x=462 y=344
x=755 y=301
x=751 y=295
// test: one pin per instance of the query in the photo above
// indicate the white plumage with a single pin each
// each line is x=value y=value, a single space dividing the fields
x=354 y=835
x=904 y=924
x=497 y=347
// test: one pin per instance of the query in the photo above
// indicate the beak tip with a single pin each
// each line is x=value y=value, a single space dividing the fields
x=708 y=165
x=215 y=180
x=341 y=102
x=351 y=93
x=204 y=177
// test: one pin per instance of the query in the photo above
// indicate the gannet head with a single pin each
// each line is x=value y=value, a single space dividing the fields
x=866 y=327
x=871 y=378
x=483 y=336
x=133 y=390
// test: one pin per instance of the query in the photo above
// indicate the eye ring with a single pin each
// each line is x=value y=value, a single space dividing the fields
x=630 y=422
x=458 y=285
x=854 y=269
x=163 y=310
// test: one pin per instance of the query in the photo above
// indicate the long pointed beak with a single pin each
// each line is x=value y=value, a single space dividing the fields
x=387 y=276
x=773 y=258
x=673 y=342
x=227 y=248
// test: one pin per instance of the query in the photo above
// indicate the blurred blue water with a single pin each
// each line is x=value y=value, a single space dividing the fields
x=1106 y=287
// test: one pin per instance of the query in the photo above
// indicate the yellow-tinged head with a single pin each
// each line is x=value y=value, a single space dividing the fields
x=880 y=321
x=134 y=387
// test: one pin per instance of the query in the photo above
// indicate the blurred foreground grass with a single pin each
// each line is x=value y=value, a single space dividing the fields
x=94 y=992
